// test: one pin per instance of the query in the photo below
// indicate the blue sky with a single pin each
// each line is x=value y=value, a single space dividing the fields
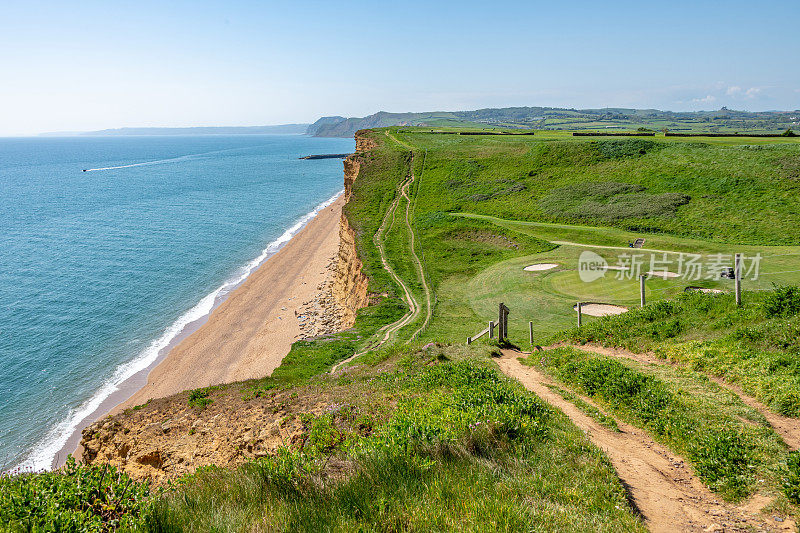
x=100 y=64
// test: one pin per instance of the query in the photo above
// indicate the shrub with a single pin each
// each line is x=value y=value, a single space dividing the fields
x=722 y=458
x=782 y=302
x=475 y=399
x=199 y=397
x=791 y=483
x=74 y=498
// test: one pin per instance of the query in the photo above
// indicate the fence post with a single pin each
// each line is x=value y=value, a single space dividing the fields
x=491 y=329
x=502 y=319
x=737 y=273
x=500 y=332
x=579 y=314
x=641 y=290
x=530 y=332
x=469 y=340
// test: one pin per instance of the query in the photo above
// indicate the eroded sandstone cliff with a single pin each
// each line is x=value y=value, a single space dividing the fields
x=350 y=283
x=167 y=437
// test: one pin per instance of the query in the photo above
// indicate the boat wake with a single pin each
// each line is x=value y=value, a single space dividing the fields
x=178 y=159
x=44 y=455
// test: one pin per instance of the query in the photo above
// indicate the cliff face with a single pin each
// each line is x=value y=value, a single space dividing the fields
x=350 y=284
x=166 y=438
x=363 y=143
x=351 y=167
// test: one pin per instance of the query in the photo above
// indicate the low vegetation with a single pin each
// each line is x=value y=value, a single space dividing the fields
x=729 y=455
x=75 y=498
x=457 y=446
x=695 y=189
x=608 y=421
x=756 y=346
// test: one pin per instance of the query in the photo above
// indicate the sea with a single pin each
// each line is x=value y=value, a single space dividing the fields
x=111 y=248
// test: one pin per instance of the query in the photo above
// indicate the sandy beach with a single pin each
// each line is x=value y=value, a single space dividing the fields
x=248 y=335
x=251 y=331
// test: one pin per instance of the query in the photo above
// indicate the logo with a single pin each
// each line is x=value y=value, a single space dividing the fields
x=591 y=266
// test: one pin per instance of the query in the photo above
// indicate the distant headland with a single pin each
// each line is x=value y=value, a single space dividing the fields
x=200 y=130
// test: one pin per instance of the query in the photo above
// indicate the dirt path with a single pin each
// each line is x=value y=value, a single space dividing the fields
x=408 y=296
x=787 y=428
x=417 y=261
x=659 y=483
x=379 y=238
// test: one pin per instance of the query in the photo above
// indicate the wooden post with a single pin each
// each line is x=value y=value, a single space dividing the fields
x=469 y=340
x=641 y=290
x=579 y=314
x=737 y=272
x=500 y=332
x=530 y=332
x=502 y=320
x=491 y=329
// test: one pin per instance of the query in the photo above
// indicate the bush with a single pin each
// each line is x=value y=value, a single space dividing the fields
x=74 y=498
x=199 y=397
x=791 y=483
x=475 y=405
x=782 y=302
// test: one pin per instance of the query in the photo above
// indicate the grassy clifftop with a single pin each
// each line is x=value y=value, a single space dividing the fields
x=729 y=190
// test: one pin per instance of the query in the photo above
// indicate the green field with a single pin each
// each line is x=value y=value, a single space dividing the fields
x=485 y=208
x=549 y=118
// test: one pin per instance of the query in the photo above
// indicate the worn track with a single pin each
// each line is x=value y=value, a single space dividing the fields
x=379 y=239
x=660 y=484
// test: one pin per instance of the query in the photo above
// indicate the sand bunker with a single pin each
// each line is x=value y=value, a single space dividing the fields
x=662 y=274
x=540 y=266
x=610 y=267
x=601 y=309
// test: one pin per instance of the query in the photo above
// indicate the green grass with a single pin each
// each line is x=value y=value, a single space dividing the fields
x=607 y=421
x=474 y=250
x=460 y=447
x=731 y=191
x=746 y=345
x=437 y=439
